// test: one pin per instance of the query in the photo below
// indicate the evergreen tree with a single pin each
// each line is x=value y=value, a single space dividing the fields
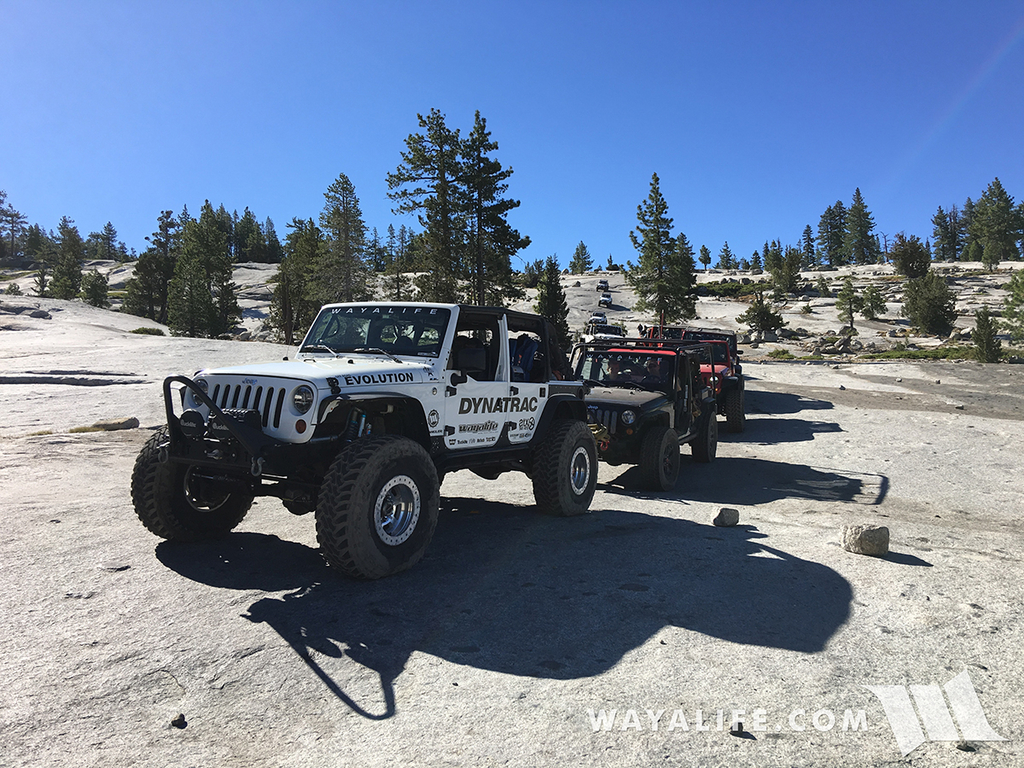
x=996 y=226
x=756 y=265
x=581 y=260
x=726 y=258
x=492 y=242
x=250 y=245
x=822 y=287
x=784 y=266
x=532 y=272
x=341 y=269
x=832 y=234
x=376 y=255
x=909 y=256
x=987 y=348
x=942 y=235
x=275 y=251
x=873 y=304
x=67 y=270
x=929 y=304
x=427 y=183
x=202 y=300
x=293 y=306
x=12 y=225
x=809 y=260
x=760 y=316
x=847 y=303
x=94 y=289
x=146 y=291
x=663 y=279
x=397 y=285
x=1013 y=306
x=551 y=302
x=705 y=257
x=972 y=243
x=859 y=245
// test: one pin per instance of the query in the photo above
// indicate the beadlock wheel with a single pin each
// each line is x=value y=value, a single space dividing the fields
x=397 y=510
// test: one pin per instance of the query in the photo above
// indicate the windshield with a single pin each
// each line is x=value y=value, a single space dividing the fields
x=627 y=368
x=396 y=330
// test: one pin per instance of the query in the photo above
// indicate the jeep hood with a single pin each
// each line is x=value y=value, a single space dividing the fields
x=627 y=398
x=350 y=371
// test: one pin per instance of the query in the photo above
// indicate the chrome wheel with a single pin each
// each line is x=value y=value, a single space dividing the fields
x=397 y=510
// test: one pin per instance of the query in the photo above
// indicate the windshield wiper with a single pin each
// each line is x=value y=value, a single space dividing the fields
x=378 y=351
x=318 y=348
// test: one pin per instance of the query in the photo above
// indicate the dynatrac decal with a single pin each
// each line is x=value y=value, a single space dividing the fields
x=379 y=378
x=497 y=405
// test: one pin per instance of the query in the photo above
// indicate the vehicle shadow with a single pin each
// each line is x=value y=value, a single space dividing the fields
x=748 y=481
x=504 y=589
x=760 y=401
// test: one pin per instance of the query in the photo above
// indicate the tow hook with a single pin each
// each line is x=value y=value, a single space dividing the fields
x=257 y=467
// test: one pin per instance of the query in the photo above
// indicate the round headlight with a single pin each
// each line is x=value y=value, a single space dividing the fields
x=628 y=417
x=302 y=399
x=201 y=383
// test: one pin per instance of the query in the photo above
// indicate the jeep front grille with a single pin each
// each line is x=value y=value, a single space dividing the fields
x=268 y=401
x=609 y=418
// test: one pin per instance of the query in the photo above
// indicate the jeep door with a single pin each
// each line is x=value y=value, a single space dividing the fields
x=476 y=381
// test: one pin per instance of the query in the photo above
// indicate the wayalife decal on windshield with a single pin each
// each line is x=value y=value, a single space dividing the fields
x=497 y=405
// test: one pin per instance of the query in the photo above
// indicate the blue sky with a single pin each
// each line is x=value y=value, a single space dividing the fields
x=755 y=115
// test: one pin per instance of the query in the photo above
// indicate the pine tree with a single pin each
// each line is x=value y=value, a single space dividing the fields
x=13 y=221
x=929 y=304
x=249 y=241
x=581 y=261
x=756 y=264
x=987 y=348
x=67 y=271
x=551 y=302
x=663 y=279
x=942 y=235
x=726 y=258
x=275 y=251
x=94 y=289
x=492 y=241
x=760 y=316
x=705 y=257
x=873 y=303
x=202 y=300
x=859 y=246
x=146 y=291
x=847 y=303
x=293 y=305
x=427 y=183
x=1013 y=306
x=832 y=234
x=996 y=226
x=909 y=256
x=341 y=269
x=810 y=260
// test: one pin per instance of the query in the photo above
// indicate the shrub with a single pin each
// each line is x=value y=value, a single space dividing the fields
x=13 y=289
x=986 y=346
x=760 y=316
x=930 y=305
x=148 y=331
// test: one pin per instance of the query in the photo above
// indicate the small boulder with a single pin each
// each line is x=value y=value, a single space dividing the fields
x=41 y=314
x=866 y=540
x=109 y=425
x=726 y=517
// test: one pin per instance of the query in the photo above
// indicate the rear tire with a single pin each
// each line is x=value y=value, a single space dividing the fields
x=735 y=418
x=705 y=445
x=167 y=499
x=565 y=469
x=659 y=458
x=378 y=507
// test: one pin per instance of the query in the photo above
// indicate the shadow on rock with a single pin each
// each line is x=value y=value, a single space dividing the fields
x=746 y=481
x=504 y=589
x=760 y=401
x=775 y=431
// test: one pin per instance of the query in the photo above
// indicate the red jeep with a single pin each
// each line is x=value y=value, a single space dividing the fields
x=725 y=365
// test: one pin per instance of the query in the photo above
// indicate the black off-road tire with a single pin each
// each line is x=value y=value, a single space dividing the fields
x=659 y=458
x=565 y=469
x=378 y=507
x=164 y=504
x=705 y=446
x=735 y=418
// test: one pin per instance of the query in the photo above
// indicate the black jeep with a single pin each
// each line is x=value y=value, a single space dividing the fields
x=645 y=399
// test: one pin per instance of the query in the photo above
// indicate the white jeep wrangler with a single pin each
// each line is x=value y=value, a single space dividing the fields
x=381 y=401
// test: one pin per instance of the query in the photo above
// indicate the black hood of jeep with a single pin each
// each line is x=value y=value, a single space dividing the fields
x=625 y=397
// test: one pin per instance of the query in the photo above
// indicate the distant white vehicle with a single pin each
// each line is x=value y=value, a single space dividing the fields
x=605 y=300
x=599 y=331
x=602 y=285
x=597 y=317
